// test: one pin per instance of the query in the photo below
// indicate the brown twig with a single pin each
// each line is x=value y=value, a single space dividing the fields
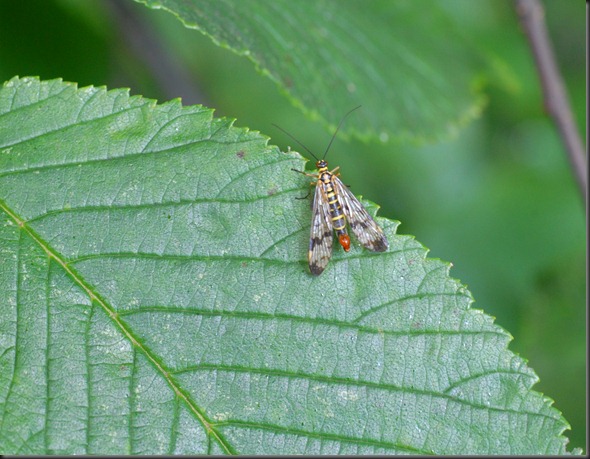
x=531 y=15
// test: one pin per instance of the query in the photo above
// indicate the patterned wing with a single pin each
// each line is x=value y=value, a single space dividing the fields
x=320 y=242
x=361 y=223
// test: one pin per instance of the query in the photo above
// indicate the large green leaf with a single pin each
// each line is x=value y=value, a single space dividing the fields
x=156 y=299
x=408 y=66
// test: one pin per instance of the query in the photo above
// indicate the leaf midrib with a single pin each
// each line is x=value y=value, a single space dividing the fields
x=78 y=279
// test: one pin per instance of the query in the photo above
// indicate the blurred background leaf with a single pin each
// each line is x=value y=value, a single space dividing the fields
x=498 y=200
x=328 y=57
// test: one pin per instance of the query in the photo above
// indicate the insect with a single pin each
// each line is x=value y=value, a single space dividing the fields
x=333 y=206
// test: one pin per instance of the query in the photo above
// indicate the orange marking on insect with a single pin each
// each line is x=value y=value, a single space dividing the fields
x=344 y=240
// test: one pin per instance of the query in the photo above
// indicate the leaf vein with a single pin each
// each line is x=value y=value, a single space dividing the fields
x=357 y=383
x=179 y=203
x=483 y=374
x=221 y=258
x=127 y=155
x=320 y=436
x=341 y=324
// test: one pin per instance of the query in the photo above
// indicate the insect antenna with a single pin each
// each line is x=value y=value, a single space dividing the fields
x=331 y=140
x=336 y=132
x=306 y=149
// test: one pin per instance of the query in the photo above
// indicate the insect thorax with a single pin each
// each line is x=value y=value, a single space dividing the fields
x=325 y=176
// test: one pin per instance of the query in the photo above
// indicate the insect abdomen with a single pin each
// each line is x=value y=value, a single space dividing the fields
x=337 y=216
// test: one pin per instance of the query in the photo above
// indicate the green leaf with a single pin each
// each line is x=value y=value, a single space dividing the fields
x=413 y=72
x=157 y=300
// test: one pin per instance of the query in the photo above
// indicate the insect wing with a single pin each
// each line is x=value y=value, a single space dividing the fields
x=320 y=242
x=361 y=223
